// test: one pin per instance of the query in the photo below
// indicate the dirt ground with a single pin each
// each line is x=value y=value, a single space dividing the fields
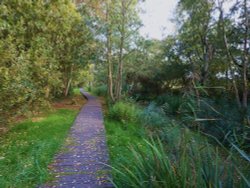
x=74 y=103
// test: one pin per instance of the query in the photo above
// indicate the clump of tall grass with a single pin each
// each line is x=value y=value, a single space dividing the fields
x=176 y=156
x=186 y=164
x=124 y=112
x=217 y=117
x=175 y=105
x=152 y=116
x=171 y=103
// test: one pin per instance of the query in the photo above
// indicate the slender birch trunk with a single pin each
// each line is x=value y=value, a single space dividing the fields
x=108 y=55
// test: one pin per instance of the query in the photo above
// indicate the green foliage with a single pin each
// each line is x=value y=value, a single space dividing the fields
x=120 y=137
x=222 y=119
x=153 y=116
x=171 y=103
x=174 y=157
x=124 y=112
x=28 y=148
x=189 y=162
x=218 y=117
x=40 y=45
x=76 y=91
x=143 y=79
x=100 y=90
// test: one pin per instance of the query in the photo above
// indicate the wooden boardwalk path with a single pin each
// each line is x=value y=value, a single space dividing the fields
x=81 y=162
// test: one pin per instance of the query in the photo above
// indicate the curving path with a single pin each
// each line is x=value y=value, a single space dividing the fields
x=81 y=162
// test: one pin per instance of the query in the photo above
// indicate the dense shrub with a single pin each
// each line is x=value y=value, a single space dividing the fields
x=40 y=43
x=100 y=90
x=176 y=156
x=174 y=104
x=187 y=163
x=223 y=120
x=217 y=117
x=124 y=112
x=153 y=116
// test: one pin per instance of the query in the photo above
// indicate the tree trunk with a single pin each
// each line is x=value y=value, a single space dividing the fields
x=206 y=59
x=245 y=58
x=68 y=76
x=118 y=88
x=66 y=91
x=47 y=92
x=236 y=91
x=108 y=55
x=237 y=95
x=245 y=64
x=230 y=58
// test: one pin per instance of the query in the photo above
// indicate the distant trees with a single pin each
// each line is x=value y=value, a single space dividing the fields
x=216 y=45
x=210 y=53
x=210 y=50
x=119 y=23
x=236 y=40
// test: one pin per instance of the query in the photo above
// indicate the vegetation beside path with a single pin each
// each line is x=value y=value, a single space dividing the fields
x=28 y=148
x=192 y=83
x=149 y=150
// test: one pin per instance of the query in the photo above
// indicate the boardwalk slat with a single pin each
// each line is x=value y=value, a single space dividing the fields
x=81 y=162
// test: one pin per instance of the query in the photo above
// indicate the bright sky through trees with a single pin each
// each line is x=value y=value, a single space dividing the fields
x=156 y=18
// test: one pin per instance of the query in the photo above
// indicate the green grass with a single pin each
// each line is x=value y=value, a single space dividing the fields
x=124 y=112
x=183 y=160
x=28 y=148
x=120 y=137
x=175 y=156
x=123 y=131
x=76 y=91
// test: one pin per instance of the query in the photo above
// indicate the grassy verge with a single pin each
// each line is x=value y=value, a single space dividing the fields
x=28 y=148
x=121 y=137
x=123 y=134
x=174 y=156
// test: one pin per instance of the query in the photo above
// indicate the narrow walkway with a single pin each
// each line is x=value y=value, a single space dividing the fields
x=81 y=163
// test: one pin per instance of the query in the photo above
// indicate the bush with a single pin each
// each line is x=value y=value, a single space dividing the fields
x=29 y=54
x=153 y=116
x=100 y=90
x=124 y=112
x=187 y=164
x=219 y=118
x=171 y=104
